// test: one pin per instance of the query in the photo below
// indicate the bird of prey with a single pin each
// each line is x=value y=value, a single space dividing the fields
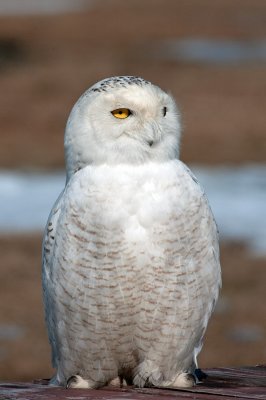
x=131 y=268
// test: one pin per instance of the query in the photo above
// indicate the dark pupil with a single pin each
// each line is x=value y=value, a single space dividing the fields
x=120 y=112
x=164 y=111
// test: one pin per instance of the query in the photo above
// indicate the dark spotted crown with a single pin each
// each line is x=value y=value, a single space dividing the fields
x=117 y=82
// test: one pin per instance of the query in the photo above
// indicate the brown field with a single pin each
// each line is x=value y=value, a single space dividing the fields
x=46 y=62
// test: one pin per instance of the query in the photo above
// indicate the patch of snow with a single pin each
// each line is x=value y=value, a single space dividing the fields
x=211 y=51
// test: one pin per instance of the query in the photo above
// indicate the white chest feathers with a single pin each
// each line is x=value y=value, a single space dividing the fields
x=133 y=199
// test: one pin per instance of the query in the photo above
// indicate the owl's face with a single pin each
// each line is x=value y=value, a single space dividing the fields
x=122 y=120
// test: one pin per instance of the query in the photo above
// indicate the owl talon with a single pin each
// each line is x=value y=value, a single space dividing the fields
x=118 y=382
x=200 y=375
x=71 y=381
x=77 y=382
x=183 y=380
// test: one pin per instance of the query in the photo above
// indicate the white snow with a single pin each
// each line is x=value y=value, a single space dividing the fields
x=212 y=51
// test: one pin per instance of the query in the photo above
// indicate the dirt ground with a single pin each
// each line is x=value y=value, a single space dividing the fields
x=46 y=62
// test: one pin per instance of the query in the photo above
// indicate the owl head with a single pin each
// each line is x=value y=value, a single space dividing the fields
x=123 y=119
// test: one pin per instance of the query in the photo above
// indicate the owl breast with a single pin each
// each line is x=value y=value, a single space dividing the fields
x=134 y=272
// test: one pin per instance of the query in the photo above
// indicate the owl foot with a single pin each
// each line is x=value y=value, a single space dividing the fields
x=77 y=382
x=147 y=374
x=118 y=382
x=183 y=380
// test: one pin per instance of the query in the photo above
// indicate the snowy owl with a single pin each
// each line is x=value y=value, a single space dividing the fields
x=131 y=268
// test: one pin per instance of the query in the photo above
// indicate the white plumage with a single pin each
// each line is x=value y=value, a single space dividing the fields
x=131 y=267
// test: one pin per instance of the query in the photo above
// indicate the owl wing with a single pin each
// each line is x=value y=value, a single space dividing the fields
x=48 y=248
x=206 y=236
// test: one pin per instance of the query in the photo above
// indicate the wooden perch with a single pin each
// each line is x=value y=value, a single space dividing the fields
x=228 y=383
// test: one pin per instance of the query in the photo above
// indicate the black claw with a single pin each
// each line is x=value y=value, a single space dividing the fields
x=200 y=374
x=72 y=379
x=191 y=378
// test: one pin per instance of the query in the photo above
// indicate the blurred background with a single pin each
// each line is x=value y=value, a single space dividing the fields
x=211 y=55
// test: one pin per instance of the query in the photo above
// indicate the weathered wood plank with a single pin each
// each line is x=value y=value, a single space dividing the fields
x=238 y=383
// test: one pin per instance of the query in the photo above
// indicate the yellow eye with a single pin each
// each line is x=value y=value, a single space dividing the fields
x=121 y=113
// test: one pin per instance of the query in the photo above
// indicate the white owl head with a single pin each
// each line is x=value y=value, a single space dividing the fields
x=122 y=119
